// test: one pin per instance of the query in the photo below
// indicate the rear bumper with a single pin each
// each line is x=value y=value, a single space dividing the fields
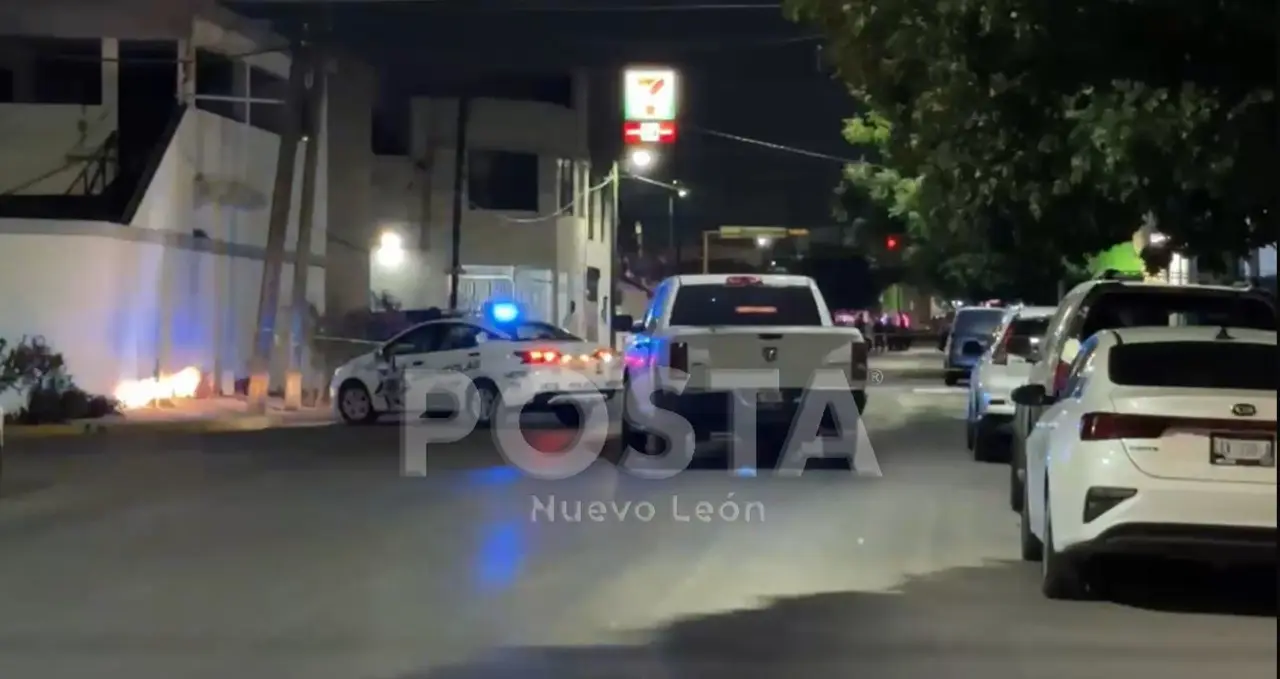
x=712 y=412
x=1196 y=519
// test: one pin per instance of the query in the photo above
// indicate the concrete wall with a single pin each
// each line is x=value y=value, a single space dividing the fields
x=179 y=286
x=413 y=196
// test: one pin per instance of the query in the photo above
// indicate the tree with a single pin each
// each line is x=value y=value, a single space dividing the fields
x=1047 y=130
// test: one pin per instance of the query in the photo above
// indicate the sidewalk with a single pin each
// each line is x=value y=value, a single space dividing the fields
x=187 y=416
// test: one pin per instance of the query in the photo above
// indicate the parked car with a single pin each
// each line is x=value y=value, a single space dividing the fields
x=1005 y=366
x=970 y=335
x=1161 y=440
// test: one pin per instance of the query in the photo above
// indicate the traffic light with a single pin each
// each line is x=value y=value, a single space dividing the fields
x=891 y=242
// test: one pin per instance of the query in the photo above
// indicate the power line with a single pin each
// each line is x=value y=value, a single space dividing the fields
x=774 y=146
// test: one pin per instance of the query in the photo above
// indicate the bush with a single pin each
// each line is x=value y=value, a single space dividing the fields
x=52 y=396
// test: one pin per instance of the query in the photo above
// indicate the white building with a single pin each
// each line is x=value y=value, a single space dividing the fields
x=536 y=220
x=137 y=156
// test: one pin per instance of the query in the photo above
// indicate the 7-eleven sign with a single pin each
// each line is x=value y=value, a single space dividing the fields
x=649 y=94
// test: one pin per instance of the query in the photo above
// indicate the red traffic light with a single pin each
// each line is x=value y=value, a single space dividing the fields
x=891 y=242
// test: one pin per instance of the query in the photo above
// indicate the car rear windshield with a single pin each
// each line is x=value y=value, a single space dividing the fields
x=745 y=305
x=977 y=321
x=1030 y=327
x=540 y=331
x=1135 y=308
x=1222 y=364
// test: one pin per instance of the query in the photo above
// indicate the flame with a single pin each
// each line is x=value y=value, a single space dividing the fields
x=142 y=393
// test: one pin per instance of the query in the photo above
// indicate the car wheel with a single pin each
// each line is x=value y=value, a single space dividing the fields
x=355 y=405
x=1031 y=547
x=485 y=402
x=987 y=443
x=968 y=427
x=951 y=379
x=1061 y=575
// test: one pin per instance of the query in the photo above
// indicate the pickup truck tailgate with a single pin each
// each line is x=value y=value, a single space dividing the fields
x=795 y=352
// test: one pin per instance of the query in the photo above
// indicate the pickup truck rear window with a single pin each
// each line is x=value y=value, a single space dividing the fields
x=1136 y=308
x=1222 y=364
x=745 y=305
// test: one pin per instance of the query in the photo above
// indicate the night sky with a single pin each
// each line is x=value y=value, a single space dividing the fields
x=747 y=72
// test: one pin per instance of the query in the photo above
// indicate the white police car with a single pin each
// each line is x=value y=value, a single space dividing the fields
x=508 y=360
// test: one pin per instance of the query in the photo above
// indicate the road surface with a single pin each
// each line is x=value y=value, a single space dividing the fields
x=304 y=553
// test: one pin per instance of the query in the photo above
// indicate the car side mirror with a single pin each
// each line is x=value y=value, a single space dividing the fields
x=623 y=323
x=1031 y=396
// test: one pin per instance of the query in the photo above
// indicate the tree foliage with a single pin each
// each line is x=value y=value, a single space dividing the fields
x=1030 y=133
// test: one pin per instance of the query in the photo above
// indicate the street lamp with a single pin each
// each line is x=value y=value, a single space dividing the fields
x=390 y=250
x=762 y=242
x=642 y=159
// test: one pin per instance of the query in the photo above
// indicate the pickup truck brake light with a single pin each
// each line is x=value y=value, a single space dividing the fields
x=678 y=357
x=858 y=362
x=742 y=280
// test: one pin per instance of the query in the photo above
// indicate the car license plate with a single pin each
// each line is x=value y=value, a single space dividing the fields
x=1233 y=451
x=579 y=386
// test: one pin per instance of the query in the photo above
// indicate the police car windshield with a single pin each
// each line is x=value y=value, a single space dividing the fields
x=529 y=332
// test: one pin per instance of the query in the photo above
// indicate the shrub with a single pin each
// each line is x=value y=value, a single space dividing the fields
x=51 y=396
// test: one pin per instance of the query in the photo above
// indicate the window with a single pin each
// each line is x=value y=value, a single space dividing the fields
x=419 y=340
x=593 y=209
x=390 y=129
x=264 y=84
x=67 y=71
x=703 y=305
x=269 y=117
x=1225 y=364
x=458 y=336
x=503 y=180
x=593 y=284
x=542 y=331
x=6 y=85
x=1080 y=368
x=564 y=184
x=656 y=307
x=232 y=110
x=1136 y=307
x=219 y=75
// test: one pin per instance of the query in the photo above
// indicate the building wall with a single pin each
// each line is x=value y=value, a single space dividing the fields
x=413 y=196
x=180 y=285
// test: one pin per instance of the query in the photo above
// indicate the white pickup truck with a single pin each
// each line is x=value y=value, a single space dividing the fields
x=699 y=324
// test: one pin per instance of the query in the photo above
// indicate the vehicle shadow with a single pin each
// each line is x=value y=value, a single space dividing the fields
x=1175 y=586
x=959 y=623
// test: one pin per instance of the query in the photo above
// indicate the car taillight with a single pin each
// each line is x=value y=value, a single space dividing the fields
x=1112 y=426
x=858 y=361
x=1060 y=375
x=742 y=280
x=540 y=356
x=604 y=356
x=1000 y=355
x=678 y=357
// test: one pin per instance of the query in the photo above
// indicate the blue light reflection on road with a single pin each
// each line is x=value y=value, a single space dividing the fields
x=503 y=537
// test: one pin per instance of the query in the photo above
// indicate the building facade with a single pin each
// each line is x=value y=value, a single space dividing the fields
x=535 y=222
x=138 y=163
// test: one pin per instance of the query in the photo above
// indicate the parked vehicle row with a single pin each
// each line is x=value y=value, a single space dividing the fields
x=1136 y=418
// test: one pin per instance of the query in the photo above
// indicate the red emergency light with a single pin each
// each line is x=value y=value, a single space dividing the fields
x=649 y=132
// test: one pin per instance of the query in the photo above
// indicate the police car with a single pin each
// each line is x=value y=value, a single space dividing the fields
x=509 y=362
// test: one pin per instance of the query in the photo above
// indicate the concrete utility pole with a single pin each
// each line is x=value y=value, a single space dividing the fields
x=459 y=192
x=264 y=337
x=297 y=332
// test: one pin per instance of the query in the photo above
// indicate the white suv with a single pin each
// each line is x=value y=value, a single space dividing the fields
x=1163 y=442
x=1005 y=365
x=1113 y=302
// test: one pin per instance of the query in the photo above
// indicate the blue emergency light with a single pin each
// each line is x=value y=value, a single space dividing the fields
x=503 y=312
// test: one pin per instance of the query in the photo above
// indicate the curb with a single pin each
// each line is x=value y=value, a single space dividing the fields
x=231 y=424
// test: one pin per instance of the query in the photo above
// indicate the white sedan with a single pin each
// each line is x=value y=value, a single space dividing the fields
x=1162 y=442
x=1005 y=366
x=533 y=364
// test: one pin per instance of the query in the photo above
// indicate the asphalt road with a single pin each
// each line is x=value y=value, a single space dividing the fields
x=305 y=553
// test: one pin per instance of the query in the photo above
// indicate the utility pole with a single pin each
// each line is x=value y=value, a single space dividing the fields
x=297 y=335
x=459 y=191
x=264 y=338
x=671 y=231
x=615 y=262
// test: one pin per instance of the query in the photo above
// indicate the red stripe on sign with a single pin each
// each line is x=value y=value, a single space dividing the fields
x=656 y=87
